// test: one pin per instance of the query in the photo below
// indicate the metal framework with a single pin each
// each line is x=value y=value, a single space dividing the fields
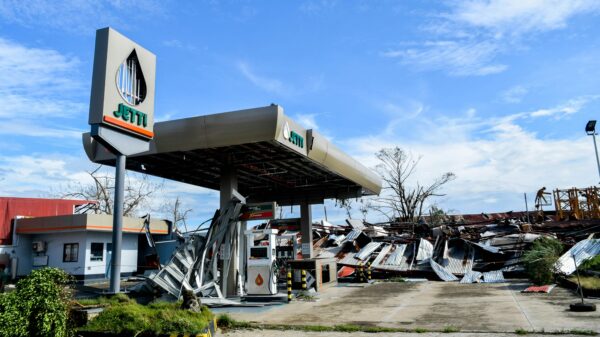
x=577 y=203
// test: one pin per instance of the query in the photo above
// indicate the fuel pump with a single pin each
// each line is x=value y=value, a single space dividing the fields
x=261 y=268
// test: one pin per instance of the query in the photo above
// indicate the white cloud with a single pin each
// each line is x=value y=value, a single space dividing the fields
x=514 y=94
x=79 y=17
x=568 y=108
x=467 y=39
x=271 y=85
x=520 y=16
x=307 y=120
x=459 y=58
x=495 y=160
x=34 y=82
x=24 y=69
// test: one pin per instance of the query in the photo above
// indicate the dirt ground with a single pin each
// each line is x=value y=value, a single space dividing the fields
x=430 y=305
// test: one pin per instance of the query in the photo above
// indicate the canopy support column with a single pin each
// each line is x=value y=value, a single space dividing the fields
x=306 y=230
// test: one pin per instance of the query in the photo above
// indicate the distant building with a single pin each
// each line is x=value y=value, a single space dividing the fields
x=46 y=232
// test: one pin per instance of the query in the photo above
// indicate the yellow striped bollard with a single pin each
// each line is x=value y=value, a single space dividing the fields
x=303 y=279
x=360 y=272
x=289 y=285
x=368 y=271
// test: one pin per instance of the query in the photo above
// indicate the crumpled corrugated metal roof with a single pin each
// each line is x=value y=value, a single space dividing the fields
x=353 y=235
x=460 y=258
x=382 y=254
x=583 y=250
x=367 y=250
x=471 y=277
x=495 y=276
x=441 y=272
x=395 y=258
x=425 y=250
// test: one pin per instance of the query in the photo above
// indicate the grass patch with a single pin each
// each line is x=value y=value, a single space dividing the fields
x=581 y=332
x=305 y=296
x=450 y=329
x=124 y=316
x=587 y=282
x=106 y=301
x=396 y=279
x=521 y=331
x=421 y=330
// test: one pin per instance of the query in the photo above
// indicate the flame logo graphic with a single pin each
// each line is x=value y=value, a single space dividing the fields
x=259 y=280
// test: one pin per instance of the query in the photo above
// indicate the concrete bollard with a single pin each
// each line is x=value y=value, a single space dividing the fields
x=289 y=285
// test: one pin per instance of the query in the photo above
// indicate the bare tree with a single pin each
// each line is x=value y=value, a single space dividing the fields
x=178 y=215
x=399 y=199
x=137 y=194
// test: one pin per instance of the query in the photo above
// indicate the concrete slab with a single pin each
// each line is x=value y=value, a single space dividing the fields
x=433 y=305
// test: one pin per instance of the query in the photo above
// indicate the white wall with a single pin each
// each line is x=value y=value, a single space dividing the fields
x=84 y=266
x=129 y=253
x=54 y=249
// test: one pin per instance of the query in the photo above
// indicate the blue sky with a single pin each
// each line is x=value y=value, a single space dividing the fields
x=496 y=91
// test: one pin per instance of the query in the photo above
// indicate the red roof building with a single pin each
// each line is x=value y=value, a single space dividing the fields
x=10 y=208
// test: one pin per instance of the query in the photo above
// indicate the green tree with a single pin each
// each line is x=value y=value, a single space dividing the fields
x=539 y=261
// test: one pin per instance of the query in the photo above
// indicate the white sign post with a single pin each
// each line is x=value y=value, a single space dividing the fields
x=121 y=115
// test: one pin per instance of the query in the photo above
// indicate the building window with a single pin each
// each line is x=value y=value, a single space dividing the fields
x=70 y=252
x=97 y=251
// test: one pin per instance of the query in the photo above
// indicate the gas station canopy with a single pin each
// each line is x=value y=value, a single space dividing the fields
x=273 y=157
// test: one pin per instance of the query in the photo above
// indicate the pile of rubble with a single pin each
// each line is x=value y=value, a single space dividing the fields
x=482 y=250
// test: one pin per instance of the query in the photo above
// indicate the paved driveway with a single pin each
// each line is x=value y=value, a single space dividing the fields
x=433 y=305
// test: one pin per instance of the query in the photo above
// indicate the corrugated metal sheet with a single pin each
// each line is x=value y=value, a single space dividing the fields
x=399 y=259
x=471 y=277
x=353 y=235
x=460 y=258
x=441 y=272
x=425 y=250
x=356 y=224
x=488 y=248
x=495 y=276
x=540 y=289
x=382 y=254
x=367 y=250
x=349 y=260
x=395 y=258
x=329 y=252
x=583 y=250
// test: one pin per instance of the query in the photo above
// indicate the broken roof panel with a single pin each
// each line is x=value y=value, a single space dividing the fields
x=459 y=259
x=471 y=277
x=441 y=272
x=495 y=276
x=367 y=250
x=425 y=250
x=356 y=224
x=583 y=250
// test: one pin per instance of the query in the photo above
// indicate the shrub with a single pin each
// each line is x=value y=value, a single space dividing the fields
x=591 y=264
x=125 y=316
x=38 y=307
x=540 y=259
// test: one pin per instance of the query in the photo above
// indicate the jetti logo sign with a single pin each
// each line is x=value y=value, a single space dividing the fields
x=123 y=85
x=292 y=136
